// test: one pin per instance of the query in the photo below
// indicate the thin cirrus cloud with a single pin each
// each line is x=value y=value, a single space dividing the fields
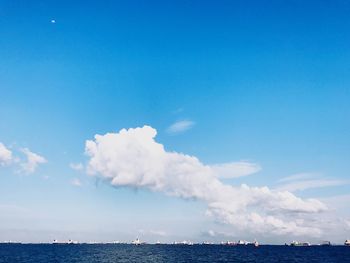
x=310 y=184
x=5 y=155
x=298 y=176
x=305 y=181
x=180 y=126
x=132 y=158
x=235 y=169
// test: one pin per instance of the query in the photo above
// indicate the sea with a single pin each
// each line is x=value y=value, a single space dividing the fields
x=108 y=253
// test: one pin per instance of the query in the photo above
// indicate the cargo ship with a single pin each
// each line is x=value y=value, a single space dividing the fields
x=299 y=244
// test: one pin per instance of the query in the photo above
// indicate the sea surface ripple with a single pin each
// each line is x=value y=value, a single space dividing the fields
x=107 y=253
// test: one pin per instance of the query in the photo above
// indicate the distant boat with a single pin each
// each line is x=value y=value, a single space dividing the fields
x=347 y=242
x=325 y=243
x=241 y=243
x=246 y=243
x=137 y=242
x=69 y=242
x=10 y=242
x=229 y=243
x=255 y=243
x=299 y=244
x=185 y=242
x=56 y=242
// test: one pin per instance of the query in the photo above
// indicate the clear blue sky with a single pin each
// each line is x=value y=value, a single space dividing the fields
x=263 y=81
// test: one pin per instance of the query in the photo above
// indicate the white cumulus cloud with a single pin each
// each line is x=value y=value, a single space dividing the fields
x=5 y=155
x=180 y=126
x=32 y=162
x=133 y=158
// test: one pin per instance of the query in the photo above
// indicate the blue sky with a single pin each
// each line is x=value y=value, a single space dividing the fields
x=264 y=83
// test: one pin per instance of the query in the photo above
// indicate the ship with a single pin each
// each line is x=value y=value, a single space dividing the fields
x=185 y=242
x=136 y=242
x=69 y=242
x=347 y=242
x=254 y=244
x=241 y=243
x=246 y=243
x=299 y=244
x=10 y=242
x=229 y=243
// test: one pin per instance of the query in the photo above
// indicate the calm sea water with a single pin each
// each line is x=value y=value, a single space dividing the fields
x=169 y=253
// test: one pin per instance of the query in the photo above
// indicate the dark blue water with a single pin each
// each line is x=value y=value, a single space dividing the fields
x=170 y=253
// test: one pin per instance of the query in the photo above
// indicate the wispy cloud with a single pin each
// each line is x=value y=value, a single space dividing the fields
x=5 y=155
x=76 y=166
x=310 y=184
x=235 y=169
x=338 y=202
x=305 y=181
x=28 y=165
x=178 y=110
x=32 y=162
x=298 y=176
x=76 y=182
x=180 y=126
